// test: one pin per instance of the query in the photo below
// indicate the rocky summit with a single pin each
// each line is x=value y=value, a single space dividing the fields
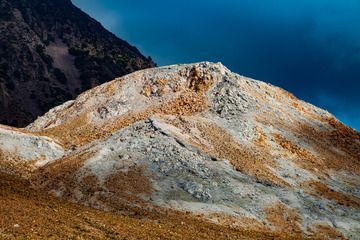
x=181 y=152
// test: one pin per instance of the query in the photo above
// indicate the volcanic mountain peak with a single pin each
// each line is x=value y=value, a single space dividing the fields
x=198 y=138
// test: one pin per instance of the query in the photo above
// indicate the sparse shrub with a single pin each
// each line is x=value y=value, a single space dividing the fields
x=10 y=85
x=40 y=49
x=32 y=95
x=60 y=76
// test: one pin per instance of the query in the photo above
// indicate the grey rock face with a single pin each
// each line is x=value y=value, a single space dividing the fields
x=200 y=138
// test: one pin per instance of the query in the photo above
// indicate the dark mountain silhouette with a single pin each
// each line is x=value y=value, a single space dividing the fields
x=50 y=51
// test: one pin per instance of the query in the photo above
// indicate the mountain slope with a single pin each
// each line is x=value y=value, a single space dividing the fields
x=29 y=214
x=50 y=51
x=201 y=140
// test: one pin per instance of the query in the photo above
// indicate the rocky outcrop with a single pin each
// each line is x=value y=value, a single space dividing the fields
x=200 y=139
x=50 y=51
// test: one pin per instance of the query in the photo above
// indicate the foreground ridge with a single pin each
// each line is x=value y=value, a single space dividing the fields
x=197 y=140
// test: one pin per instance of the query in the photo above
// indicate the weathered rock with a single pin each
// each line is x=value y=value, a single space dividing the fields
x=200 y=138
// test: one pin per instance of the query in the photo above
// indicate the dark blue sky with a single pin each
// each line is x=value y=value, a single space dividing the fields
x=309 y=47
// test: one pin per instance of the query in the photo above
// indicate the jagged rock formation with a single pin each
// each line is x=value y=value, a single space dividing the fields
x=199 y=139
x=50 y=51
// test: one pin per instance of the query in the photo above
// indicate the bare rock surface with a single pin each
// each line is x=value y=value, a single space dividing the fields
x=39 y=150
x=198 y=138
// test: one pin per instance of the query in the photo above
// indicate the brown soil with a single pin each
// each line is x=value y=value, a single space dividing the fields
x=321 y=190
x=340 y=137
x=239 y=222
x=130 y=185
x=324 y=158
x=284 y=219
x=12 y=128
x=41 y=216
x=28 y=214
x=301 y=108
x=302 y=157
x=158 y=88
x=295 y=149
x=120 y=190
x=200 y=82
x=79 y=131
x=345 y=138
x=325 y=144
x=288 y=99
x=326 y=232
x=62 y=174
x=13 y=163
x=262 y=141
x=222 y=145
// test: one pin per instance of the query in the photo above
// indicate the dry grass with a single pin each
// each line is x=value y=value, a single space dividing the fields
x=310 y=114
x=218 y=143
x=262 y=141
x=44 y=217
x=334 y=149
x=284 y=219
x=120 y=190
x=62 y=174
x=302 y=157
x=239 y=222
x=345 y=138
x=321 y=231
x=40 y=216
x=131 y=184
x=14 y=163
x=80 y=131
x=321 y=190
x=13 y=128
x=241 y=157
x=72 y=132
x=338 y=136
x=342 y=138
